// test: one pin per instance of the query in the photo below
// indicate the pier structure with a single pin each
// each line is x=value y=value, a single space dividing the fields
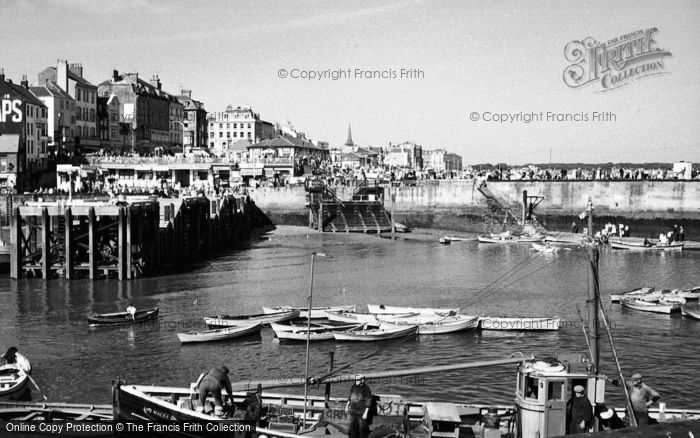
x=126 y=239
x=364 y=212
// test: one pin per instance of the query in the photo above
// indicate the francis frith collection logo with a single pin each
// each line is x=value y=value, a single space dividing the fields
x=614 y=63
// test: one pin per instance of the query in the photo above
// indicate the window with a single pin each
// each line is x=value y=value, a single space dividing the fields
x=248 y=125
x=92 y=115
x=242 y=134
x=92 y=132
x=221 y=134
x=234 y=134
x=60 y=104
x=555 y=391
x=221 y=126
x=228 y=134
x=228 y=126
x=531 y=388
x=78 y=131
x=77 y=93
x=235 y=126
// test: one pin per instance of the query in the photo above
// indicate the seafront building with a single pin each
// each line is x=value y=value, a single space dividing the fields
x=442 y=161
x=195 y=125
x=240 y=123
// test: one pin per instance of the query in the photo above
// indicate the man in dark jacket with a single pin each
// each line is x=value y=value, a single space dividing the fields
x=580 y=411
x=358 y=406
x=213 y=383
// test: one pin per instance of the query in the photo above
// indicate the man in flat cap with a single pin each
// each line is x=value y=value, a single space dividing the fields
x=358 y=406
x=641 y=396
x=580 y=411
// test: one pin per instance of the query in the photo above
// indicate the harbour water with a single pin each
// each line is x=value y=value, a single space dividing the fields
x=71 y=362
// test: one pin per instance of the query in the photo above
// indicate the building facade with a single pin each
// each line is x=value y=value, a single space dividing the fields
x=195 y=123
x=69 y=78
x=234 y=124
x=442 y=161
x=406 y=155
x=61 y=115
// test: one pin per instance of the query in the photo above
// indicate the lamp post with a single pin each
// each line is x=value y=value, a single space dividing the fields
x=308 y=334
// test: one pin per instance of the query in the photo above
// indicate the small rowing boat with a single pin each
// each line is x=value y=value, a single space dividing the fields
x=314 y=333
x=365 y=318
x=222 y=321
x=13 y=380
x=382 y=308
x=316 y=312
x=691 y=311
x=385 y=332
x=635 y=293
x=222 y=334
x=446 y=324
x=121 y=318
x=546 y=248
x=633 y=246
x=523 y=323
x=646 y=306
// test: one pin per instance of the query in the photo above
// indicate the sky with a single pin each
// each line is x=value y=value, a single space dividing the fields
x=465 y=62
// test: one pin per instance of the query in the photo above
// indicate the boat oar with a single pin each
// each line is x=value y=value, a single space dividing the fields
x=37 y=387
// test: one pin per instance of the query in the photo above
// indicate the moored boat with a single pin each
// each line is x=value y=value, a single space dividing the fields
x=544 y=248
x=121 y=318
x=95 y=420
x=13 y=380
x=382 y=308
x=315 y=333
x=221 y=334
x=691 y=311
x=615 y=298
x=647 y=306
x=675 y=246
x=688 y=294
x=446 y=324
x=523 y=323
x=384 y=332
x=316 y=312
x=366 y=318
x=223 y=321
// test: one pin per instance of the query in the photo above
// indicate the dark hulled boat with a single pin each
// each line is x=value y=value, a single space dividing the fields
x=121 y=318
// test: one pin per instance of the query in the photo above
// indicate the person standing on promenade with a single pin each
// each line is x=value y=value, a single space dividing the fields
x=641 y=396
x=681 y=235
x=358 y=405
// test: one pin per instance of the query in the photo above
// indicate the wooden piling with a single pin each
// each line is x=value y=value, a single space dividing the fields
x=121 y=244
x=45 y=243
x=127 y=247
x=92 y=244
x=16 y=243
x=68 y=229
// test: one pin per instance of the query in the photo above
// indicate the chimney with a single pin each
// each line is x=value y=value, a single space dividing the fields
x=76 y=69
x=62 y=75
x=115 y=75
x=155 y=81
x=2 y=75
x=187 y=93
x=24 y=82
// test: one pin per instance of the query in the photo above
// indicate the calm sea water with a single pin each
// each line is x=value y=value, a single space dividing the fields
x=71 y=362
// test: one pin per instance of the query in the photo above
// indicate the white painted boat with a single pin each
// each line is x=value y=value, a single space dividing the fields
x=646 y=306
x=316 y=312
x=13 y=380
x=523 y=323
x=460 y=239
x=401 y=228
x=219 y=334
x=675 y=246
x=315 y=327
x=565 y=239
x=324 y=334
x=671 y=298
x=365 y=318
x=445 y=240
x=545 y=248
x=385 y=332
x=382 y=308
x=690 y=311
x=223 y=321
x=688 y=294
x=615 y=298
x=446 y=324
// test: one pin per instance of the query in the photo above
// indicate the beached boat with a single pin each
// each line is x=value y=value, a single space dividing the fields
x=95 y=420
x=691 y=311
x=523 y=323
x=615 y=298
x=633 y=246
x=121 y=318
x=221 y=334
x=382 y=308
x=647 y=306
x=13 y=380
x=316 y=312
x=223 y=321
x=384 y=332
x=544 y=248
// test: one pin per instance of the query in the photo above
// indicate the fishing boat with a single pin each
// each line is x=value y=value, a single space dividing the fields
x=223 y=321
x=520 y=323
x=121 y=318
x=382 y=308
x=544 y=248
x=445 y=324
x=635 y=293
x=316 y=312
x=691 y=311
x=646 y=306
x=221 y=334
x=96 y=419
x=384 y=332
x=634 y=246
x=13 y=380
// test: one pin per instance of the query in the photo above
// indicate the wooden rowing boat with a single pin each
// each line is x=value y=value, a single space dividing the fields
x=121 y=318
x=545 y=248
x=315 y=333
x=520 y=323
x=223 y=321
x=13 y=380
x=365 y=318
x=615 y=298
x=691 y=311
x=384 y=332
x=316 y=312
x=445 y=324
x=688 y=294
x=96 y=419
x=617 y=244
x=221 y=334
x=382 y=308
x=646 y=306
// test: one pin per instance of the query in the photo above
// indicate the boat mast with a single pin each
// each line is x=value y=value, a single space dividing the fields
x=593 y=292
x=308 y=335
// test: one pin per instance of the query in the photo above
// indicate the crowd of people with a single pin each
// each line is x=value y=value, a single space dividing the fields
x=586 y=174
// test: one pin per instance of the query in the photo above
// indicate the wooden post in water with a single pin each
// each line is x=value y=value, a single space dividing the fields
x=16 y=243
x=393 y=220
x=92 y=244
x=68 y=219
x=524 y=207
x=45 y=243
x=121 y=244
x=327 y=393
x=320 y=216
x=129 y=242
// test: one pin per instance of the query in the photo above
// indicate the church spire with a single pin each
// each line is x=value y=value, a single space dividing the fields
x=349 y=140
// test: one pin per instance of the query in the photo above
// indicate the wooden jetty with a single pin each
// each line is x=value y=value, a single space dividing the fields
x=126 y=239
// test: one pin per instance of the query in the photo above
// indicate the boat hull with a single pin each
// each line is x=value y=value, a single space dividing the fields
x=381 y=308
x=121 y=318
x=232 y=321
x=646 y=306
x=381 y=334
x=677 y=246
x=316 y=312
x=13 y=381
x=692 y=312
x=219 y=334
x=449 y=325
